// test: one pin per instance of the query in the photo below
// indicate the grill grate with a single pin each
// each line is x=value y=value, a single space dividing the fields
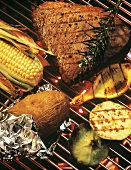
x=124 y=13
x=18 y=13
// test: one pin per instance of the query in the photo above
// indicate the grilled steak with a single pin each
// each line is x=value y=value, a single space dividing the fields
x=62 y=27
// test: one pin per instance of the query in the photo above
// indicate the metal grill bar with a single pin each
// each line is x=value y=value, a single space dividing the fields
x=17 y=12
x=121 y=9
x=7 y=165
x=17 y=21
x=64 y=160
x=6 y=99
x=125 y=148
x=104 y=4
x=37 y=164
x=119 y=156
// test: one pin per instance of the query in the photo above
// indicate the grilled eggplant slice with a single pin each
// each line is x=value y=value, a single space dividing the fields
x=111 y=82
x=86 y=146
x=111 y=120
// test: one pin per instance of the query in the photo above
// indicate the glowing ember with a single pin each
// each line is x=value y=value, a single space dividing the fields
x=63 y=166
x=72 y=126
x=59 y=78
x=74 y=106
x=55 y=81
x=109 y=164
x=21 y=92
x=80 y=110
x=84 y=91
x=127 y=143
x=128 y=57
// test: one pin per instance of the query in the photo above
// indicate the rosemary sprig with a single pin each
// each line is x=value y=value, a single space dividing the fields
x=98 y=43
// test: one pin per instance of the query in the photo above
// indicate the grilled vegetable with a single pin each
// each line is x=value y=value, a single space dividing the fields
x=7 y=86
x=87 y=147
x=49 y=110
x=19 y=68
x=111 y=82
x=20 y=39
x=111 y=120
x=18 y=60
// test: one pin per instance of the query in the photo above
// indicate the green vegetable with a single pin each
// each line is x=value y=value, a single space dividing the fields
x=86 y=146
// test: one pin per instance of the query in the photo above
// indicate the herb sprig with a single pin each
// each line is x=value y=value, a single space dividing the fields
x=98 y=43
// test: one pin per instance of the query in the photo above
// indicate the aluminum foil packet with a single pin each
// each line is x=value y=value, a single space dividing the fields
x=19 y=137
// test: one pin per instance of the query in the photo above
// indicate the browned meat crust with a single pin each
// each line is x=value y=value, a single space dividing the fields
x=64 y=26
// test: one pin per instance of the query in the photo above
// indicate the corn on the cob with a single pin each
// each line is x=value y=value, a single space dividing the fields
x=18 y=67
x=19 y=38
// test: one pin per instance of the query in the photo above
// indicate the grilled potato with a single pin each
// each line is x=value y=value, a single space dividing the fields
x=111 y=120
x=49 y=109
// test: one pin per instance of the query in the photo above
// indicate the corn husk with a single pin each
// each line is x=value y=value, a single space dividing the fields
x=23 y=40
x=7 y=86
x=26 y=45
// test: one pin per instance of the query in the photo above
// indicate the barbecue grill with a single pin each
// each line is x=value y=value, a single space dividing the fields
x=18 y=13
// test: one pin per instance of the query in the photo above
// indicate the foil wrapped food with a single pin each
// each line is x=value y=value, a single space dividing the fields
x=19 y=137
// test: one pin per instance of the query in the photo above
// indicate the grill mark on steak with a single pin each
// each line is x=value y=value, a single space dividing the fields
x=72 y=37
x=58 y=7
x=64 y=26
x=47 y=16
x=39 y=13
x=68 y=48
x=78 y=16
x=71 y=26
